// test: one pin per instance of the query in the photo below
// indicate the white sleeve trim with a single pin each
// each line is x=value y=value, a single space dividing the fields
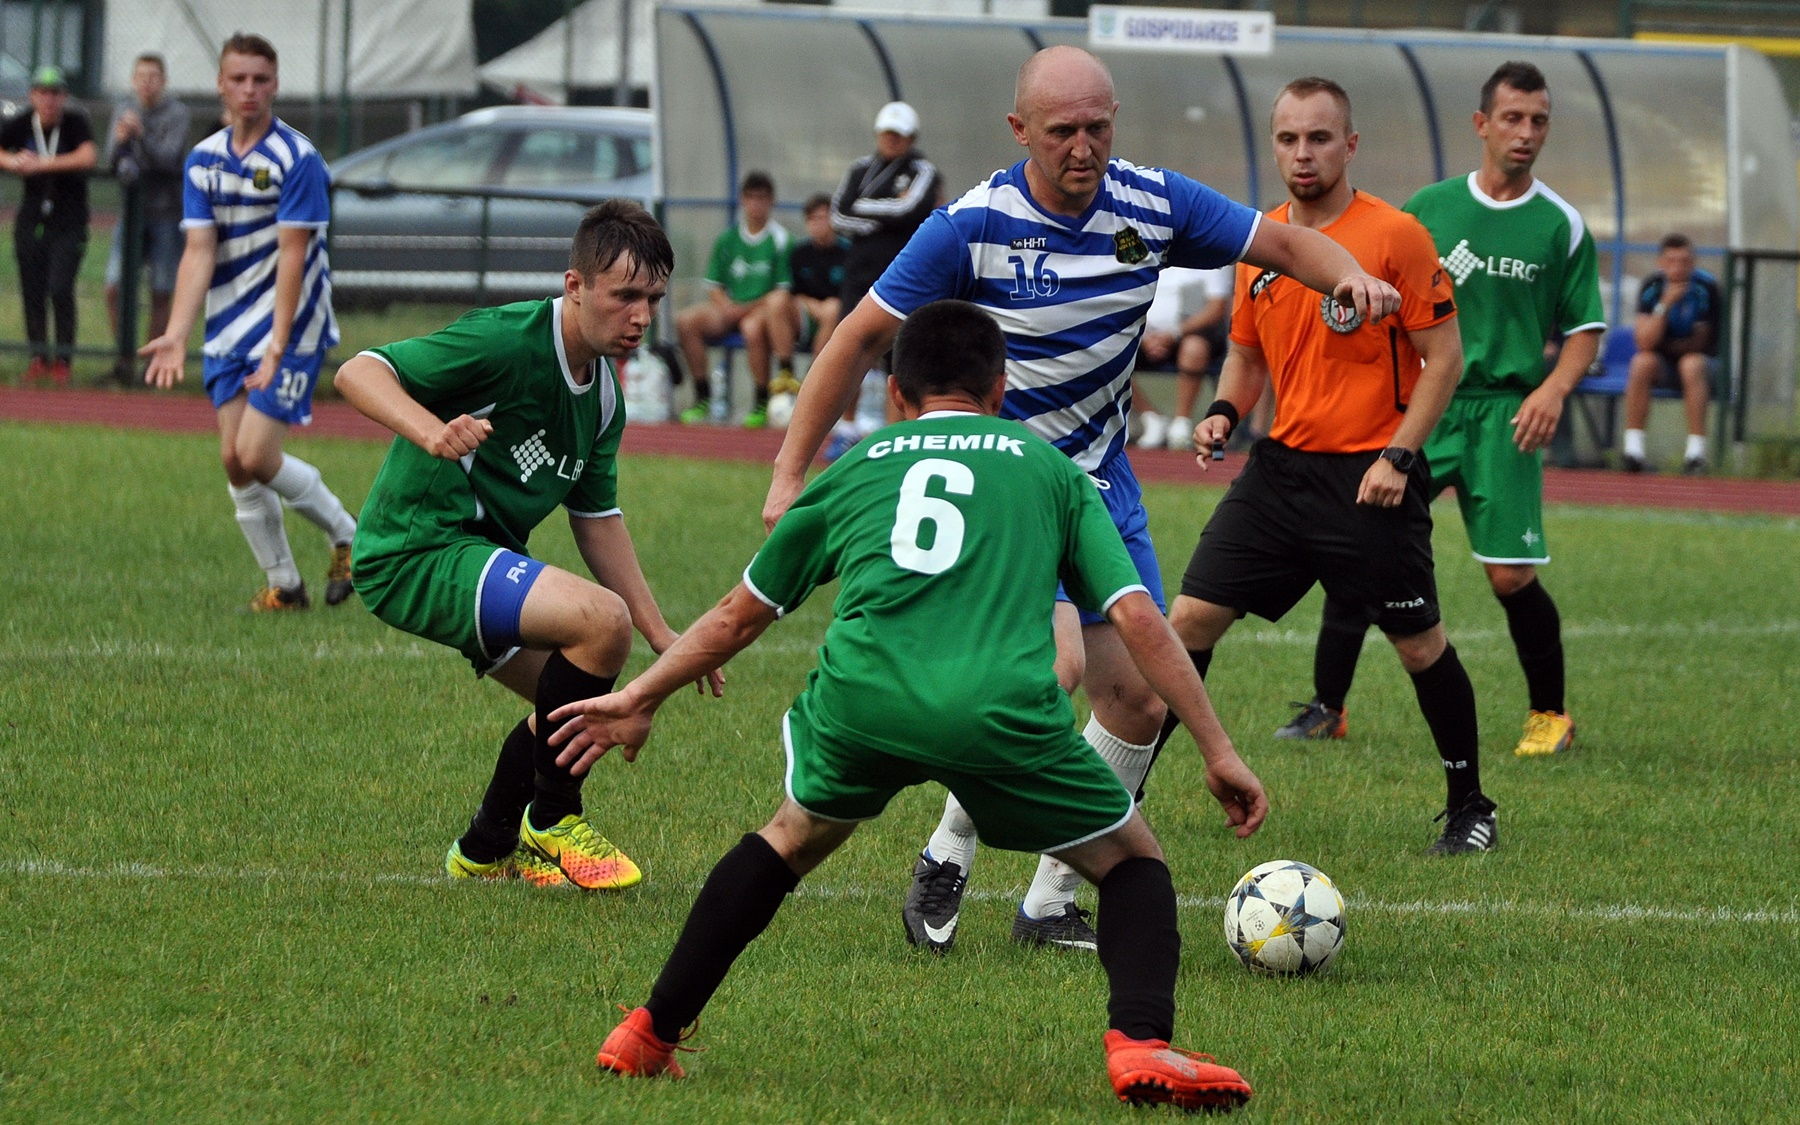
x=610 y=512
x=303 y=226
x=1134 y=588
x=765 y=599
x=379 y=358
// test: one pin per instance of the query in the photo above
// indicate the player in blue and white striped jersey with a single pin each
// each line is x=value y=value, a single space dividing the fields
x=255 y=203
x=1063 y=250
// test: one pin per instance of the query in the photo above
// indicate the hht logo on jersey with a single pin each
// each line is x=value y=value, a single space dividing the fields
x=1462 y=262
x=532 y=454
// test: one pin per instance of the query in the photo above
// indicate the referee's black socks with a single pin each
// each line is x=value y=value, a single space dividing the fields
x=1536 y=630
x=1447 y=700
x=556 y=791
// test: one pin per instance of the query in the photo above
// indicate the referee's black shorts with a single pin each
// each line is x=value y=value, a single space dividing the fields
x=1291 y=519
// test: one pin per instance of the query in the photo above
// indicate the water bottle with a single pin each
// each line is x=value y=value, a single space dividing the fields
x=720 y=394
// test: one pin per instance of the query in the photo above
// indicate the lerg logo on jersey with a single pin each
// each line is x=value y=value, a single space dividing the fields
x=1128 y=247
x=1462 y=261
x=1338 y=318
x=532 y=454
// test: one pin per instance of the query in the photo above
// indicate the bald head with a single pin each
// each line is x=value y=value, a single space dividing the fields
x=1061 y=73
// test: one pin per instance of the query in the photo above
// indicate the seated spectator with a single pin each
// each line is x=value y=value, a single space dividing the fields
x=817 y=269
x=747 y=285
x=1186 y=324
x=1677 y=331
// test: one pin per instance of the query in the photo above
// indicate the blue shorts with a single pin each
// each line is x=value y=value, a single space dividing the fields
x=287 y=399
x=1124 y=500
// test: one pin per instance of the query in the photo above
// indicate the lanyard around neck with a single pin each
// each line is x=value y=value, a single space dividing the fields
x=46 y=149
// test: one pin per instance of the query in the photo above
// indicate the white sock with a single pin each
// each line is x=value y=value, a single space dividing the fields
x=1052 y=888
x=259 y=516
x=1129 y=760
x=1054 y=884
x=954 y=840
x=1634 y=444
x=302 y=487
x=1696 y=447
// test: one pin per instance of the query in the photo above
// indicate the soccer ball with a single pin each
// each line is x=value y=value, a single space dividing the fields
x=781 y=410
x=1285 y=917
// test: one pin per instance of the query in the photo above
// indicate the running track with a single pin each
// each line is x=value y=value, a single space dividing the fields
x=190 y=413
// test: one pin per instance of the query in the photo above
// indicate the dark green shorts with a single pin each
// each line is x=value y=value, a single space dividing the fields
x=1055 y=804
x=1499 y=489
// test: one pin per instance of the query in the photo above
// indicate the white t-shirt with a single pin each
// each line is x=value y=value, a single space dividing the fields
x=1180 y=293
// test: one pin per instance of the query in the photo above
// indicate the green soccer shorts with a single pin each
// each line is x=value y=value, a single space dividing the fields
x=1499 y=489
x=466 y=594
x=1069 y=799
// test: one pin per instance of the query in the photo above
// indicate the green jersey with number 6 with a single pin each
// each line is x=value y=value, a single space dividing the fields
x=1524 y=270
x=948 y=535
x=555 y=439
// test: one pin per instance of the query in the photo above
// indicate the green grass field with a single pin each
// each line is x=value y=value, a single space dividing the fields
x=221 y=892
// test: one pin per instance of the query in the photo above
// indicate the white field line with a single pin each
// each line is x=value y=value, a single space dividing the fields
x=99 y=649
x=50 y=869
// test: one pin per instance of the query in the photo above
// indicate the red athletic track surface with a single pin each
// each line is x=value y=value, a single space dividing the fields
x=191 y=413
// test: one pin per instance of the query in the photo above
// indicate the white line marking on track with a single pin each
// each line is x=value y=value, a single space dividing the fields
x=1621 y=912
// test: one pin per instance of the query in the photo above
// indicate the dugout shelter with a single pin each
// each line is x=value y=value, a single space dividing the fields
x=1646 y=137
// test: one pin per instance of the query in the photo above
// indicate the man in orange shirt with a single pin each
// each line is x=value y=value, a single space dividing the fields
x=1338 y=493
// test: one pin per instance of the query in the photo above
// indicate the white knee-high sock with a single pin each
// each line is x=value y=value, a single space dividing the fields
x=300 y=484
x=1129 y=760
x=1055 y=882
x=954 y=840
x=259 y=516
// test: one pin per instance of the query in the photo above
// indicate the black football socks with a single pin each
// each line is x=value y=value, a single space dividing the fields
x=1447 y=700
x=494 y=831
x=1342 y=628
x=1536 y=630
x=736 y=903
x=556 y=791
x=1139 y=947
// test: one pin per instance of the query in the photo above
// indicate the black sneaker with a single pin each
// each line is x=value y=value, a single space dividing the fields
x=1468 y=829
x=1694 y=467
x=1633 y=464
x=1069 y=930
x=337 y=579
x=1316 y=720
x=933 y=903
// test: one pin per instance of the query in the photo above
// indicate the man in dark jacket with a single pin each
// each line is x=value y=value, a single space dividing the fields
x=881 y=201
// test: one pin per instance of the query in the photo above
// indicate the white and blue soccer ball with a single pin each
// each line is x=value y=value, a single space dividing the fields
x=1285 y=917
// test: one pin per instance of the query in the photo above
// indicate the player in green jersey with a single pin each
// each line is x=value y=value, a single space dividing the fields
x=503 y=416
x=949 y=511
x=748 y=283
x=1524 y=267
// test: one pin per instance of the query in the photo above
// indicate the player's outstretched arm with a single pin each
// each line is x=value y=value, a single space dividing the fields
x=1159 y=656
x=193 y=277
x=372 y=387
x=591 y=727
x=1319 y=263
x=831 y=384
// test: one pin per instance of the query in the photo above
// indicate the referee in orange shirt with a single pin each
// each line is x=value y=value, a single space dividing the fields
x=1338 y=493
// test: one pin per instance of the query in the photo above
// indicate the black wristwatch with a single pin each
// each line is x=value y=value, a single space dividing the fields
x=1401 y=458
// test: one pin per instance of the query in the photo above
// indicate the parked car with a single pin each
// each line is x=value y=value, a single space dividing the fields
x=408 y=214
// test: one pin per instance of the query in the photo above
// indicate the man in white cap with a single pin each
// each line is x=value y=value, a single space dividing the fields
x=881 y=201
